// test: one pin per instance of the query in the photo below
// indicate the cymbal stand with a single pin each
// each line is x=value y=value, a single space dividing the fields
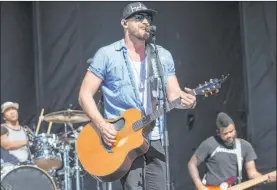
x=66 y=149
x=76 y=166
x=98 y=185
x=27 y=132
x=107 y=186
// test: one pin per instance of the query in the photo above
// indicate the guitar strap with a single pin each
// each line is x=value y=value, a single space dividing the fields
x=239 y=159
x=152 y=81
x=151 y=70
x=237 y=151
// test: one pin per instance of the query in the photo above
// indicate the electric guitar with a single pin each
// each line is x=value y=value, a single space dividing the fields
x=111 y=163
x=227 y=185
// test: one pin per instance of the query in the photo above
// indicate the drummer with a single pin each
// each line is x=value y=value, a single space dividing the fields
x=15 y=140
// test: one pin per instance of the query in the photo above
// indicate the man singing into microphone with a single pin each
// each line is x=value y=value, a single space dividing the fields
x=123 y=70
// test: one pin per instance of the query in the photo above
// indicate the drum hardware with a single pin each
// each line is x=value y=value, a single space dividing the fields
x=45 y=149
x=76 y=165
x=48 y=152
x=67 y=176
x=26 y=177
x=76 y=168
x=30 y=135
x=66 y=116
x=70 y=136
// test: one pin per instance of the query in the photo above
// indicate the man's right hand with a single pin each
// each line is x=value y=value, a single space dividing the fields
x=108 y=133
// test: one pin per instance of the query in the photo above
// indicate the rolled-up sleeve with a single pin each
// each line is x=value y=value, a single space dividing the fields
x=170 y=64
x=98 y=64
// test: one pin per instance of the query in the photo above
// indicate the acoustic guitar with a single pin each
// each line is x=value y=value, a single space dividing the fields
x=241 y=186
x=107 y=163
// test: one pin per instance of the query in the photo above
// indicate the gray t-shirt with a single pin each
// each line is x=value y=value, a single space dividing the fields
x=221 y=162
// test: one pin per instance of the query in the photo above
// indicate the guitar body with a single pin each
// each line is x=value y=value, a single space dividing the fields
x=223 y=185
x=112 y=163
x=241 y=186
x=213 y=187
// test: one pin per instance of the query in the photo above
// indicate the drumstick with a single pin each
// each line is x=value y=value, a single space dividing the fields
x=49 y=127
x=39 y=121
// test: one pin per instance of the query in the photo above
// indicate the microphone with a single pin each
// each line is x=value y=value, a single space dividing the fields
x=152 y=29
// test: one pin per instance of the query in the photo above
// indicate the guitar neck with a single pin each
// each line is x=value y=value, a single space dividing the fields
x=206 y=89
x=251 y=182
x=146 y=120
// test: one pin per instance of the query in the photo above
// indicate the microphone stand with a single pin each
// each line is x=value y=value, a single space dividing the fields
x=165 y=104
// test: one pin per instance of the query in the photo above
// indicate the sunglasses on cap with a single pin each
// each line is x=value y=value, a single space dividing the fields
x=141 y=17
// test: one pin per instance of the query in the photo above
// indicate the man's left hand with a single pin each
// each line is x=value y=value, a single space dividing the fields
x=187 y=99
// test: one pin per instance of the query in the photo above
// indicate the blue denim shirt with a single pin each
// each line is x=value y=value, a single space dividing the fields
x=110 y=63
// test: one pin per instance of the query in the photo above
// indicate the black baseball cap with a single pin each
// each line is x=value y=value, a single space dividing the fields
x=134 y=8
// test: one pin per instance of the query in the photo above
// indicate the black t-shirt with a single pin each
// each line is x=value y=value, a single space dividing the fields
x=221 y=162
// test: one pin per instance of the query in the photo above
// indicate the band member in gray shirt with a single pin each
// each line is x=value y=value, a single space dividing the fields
x=220 y=157
x=15 y=140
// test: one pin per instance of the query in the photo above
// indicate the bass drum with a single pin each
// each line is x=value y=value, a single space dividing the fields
x=27 y=178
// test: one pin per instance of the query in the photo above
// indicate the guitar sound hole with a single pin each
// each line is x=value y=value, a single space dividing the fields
x=118 y=125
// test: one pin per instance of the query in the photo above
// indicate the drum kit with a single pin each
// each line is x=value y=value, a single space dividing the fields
x=51 y=166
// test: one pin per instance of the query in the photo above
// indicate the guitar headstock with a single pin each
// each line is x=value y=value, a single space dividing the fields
x=210 y=88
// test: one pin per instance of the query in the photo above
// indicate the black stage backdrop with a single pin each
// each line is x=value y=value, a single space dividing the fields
x=45 y=46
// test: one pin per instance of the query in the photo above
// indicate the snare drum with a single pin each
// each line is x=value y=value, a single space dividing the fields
x=46 y=151
x=26 y=178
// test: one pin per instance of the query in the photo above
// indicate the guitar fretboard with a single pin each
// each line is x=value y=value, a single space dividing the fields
x=208 y=87
x=146 y=120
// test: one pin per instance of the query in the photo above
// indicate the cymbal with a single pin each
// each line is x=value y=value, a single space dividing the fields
x=66 y=116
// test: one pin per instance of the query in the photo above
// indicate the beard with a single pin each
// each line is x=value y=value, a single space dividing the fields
x=142 y=36
x=231 y=142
